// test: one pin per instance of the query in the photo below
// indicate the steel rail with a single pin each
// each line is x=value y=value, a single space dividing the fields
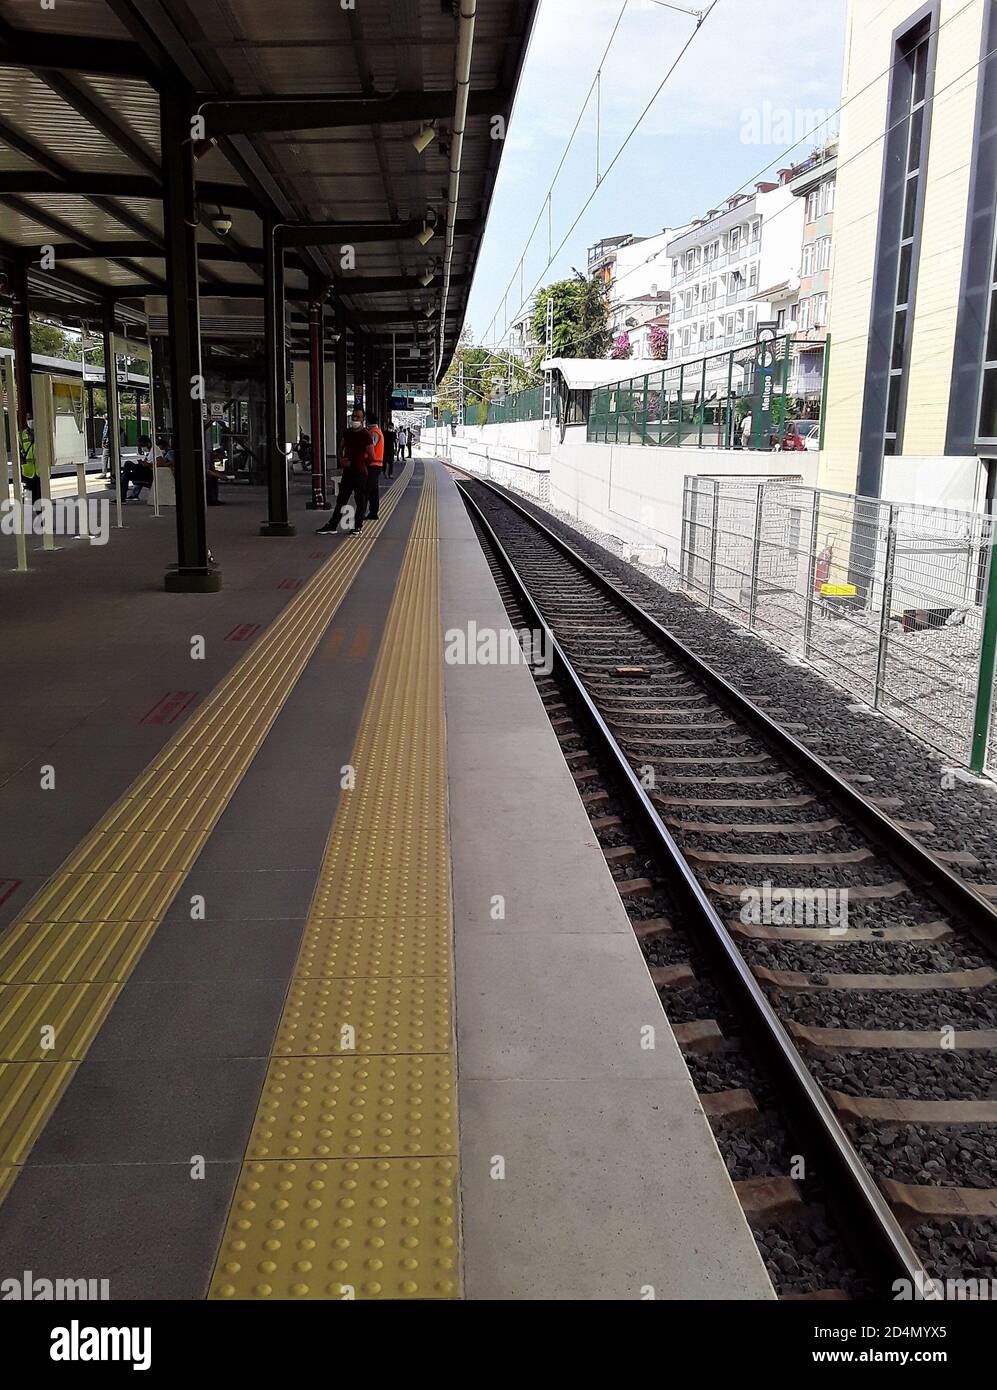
x=848 y=1184
x=925 y=872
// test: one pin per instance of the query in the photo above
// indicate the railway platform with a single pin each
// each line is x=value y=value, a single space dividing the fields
x=314 y=980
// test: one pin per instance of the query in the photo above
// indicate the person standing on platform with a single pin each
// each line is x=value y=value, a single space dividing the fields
x=355 y=451
x=374 y=470
x=29 y=464
x=402 y=437
x=390 y=448
x=409 y=437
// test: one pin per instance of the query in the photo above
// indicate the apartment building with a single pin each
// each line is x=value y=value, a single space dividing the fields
x=602 y=256
x=734 y=268
x=640 y=289
x=912 y=387
x=523 y=341
x=815 y=183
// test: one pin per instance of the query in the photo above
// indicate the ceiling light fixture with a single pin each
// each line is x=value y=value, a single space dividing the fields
x=423 y=138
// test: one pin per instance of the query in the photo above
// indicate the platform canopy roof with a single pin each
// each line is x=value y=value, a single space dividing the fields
x=310 y=112
x=588 y=373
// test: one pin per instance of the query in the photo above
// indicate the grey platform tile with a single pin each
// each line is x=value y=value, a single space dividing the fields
x=150 y=1229
x=553 y=877
x=243 y=893
x=301 y=849
x=553 y=1005
x=611 y=1189
x=235 y=1018
x=183 y=951
x=154 y=1112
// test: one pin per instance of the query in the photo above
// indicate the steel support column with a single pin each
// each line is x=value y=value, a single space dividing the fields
x=342 y=404
x=275 y=350
x=369 y=387
x=21 y=336
x=316 y=395
x=113 y=413
x=358 y=369
x=193 y=572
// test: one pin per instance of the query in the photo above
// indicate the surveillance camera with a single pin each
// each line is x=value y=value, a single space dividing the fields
x=423 y=138
x=221 y=224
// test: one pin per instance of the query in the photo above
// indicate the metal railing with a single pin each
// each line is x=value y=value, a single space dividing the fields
x=521 y=405
x=888 y=600
x=703 y=402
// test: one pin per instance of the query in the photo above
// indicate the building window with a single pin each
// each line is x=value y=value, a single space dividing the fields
x=987 y=428
x=828 y=191
x=913 y=73
x=808 y=258
x=753 y=274
x=811 y=212
x=823 y=253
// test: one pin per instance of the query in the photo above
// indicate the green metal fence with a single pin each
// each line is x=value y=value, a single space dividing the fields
x=734 y=399
x=521 y=405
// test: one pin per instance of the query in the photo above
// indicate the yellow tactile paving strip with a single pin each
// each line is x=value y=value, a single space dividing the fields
x=349 y=1188
x=64 y=960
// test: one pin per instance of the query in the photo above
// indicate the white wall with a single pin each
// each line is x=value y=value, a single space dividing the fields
x=627 y=491
x=945 y=481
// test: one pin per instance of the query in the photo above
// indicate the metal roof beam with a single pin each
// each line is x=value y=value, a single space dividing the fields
x=265 y=115
x=355 y=233
x=20 y=48
x=46 y=219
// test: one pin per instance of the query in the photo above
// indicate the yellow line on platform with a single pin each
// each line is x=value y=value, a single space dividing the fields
x=349 y=1185
x=64 y=959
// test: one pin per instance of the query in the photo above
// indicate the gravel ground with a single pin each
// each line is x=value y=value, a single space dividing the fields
x=927 y=1009
x=943 y=1074
x=807 y=1259
x=952 y=1156
x=753 y=1153
x=863 y=958
x=962 y=809
x=958 y=1249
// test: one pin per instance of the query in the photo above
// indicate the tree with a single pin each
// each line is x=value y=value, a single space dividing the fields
x=659 y=342
x=581 y=313
x=622 y=347
x=486 y=375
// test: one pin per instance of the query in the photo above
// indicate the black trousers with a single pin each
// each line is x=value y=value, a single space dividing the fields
x=351 y=484
x=389 y=463
x=373 y=492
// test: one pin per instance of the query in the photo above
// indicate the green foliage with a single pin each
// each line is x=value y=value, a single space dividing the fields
x=486 y=375
x=581 y=315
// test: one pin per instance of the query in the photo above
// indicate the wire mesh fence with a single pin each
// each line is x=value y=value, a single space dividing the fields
x=888 y=600
x=741 y=398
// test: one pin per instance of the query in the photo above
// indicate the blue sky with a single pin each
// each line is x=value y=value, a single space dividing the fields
x=756 y=76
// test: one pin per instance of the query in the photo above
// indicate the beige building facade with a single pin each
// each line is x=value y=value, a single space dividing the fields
x=911 y=408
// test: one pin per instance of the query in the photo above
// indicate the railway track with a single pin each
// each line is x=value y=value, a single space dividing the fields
x=830 y=980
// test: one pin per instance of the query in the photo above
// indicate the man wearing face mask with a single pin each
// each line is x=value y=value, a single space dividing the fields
x=356 y=450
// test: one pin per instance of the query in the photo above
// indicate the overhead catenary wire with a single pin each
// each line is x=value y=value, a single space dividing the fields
x=612 y=163
x=935 y=96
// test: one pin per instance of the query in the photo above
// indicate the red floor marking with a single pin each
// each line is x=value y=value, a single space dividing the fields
x=361 y=644
x=242 y=632
x=332 y=644
x=289 y=584
x=169 y=707
x=8 y=886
